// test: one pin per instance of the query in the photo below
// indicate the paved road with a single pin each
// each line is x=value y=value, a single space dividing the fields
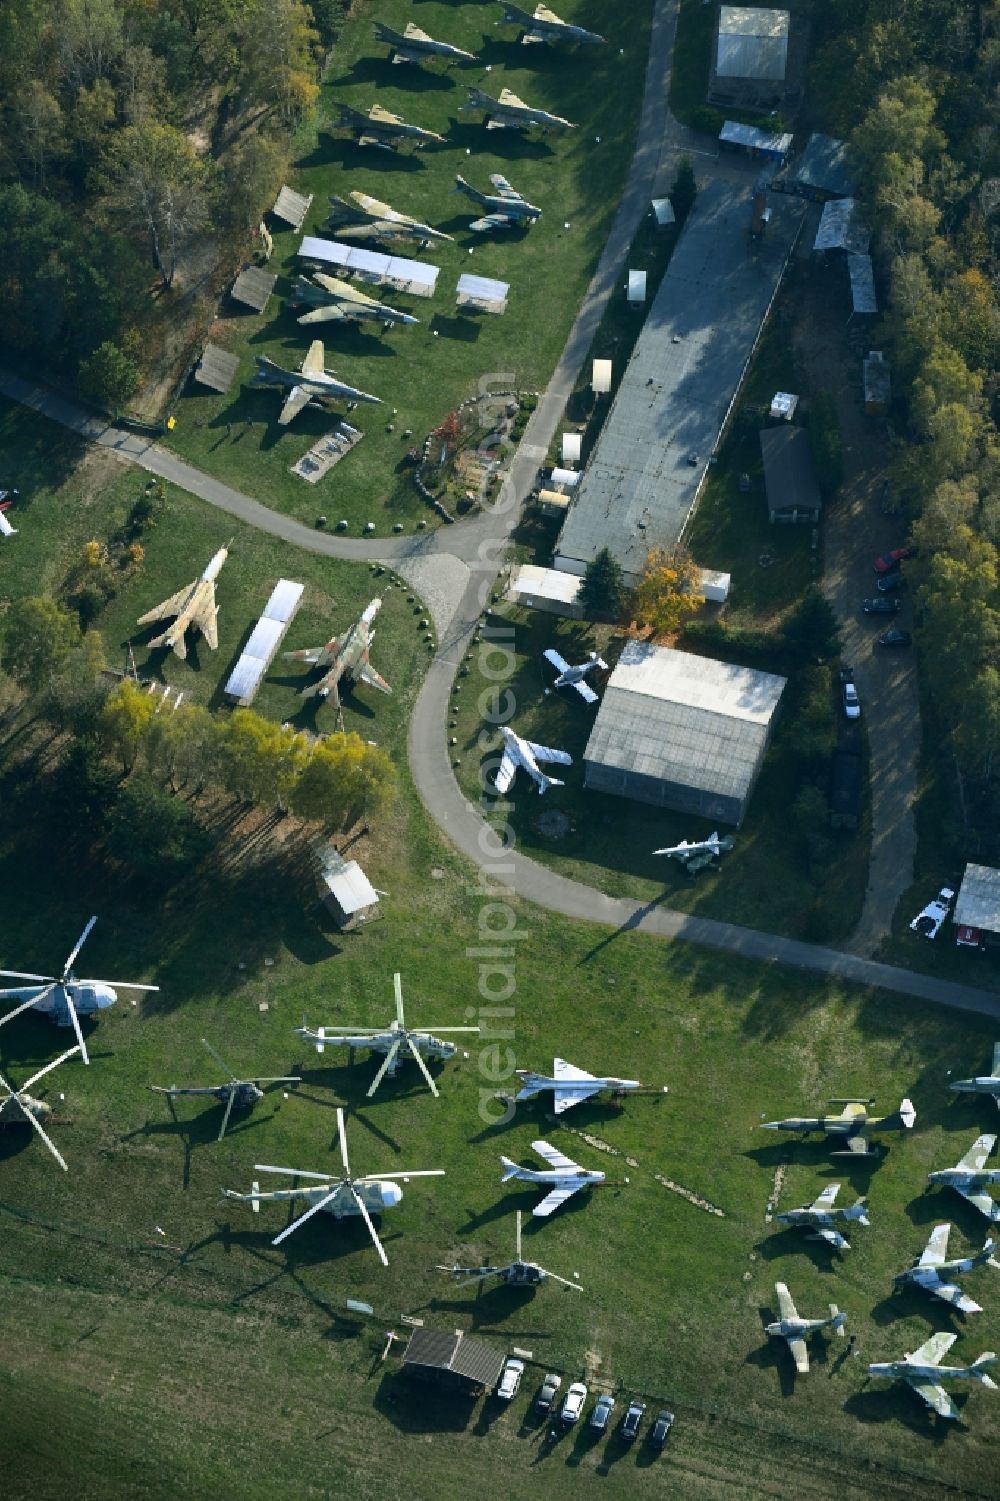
x=480 y=544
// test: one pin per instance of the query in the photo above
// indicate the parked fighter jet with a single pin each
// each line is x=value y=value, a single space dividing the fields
x=569 y=1085
x=511 y=113
x=563 y=1178
x=970 y=1178
x=415 y=46
x=931 y=1270
x=344 y=655
x=506 y=208
x=796 y=1330
x=333 y=301
x=573 y=677
x=821 y=1214
x=518 y=752
x=696 y=854
x=362 y=217
x=853 y=1122
x=380 y=127
x=924 y=1372
x=312 y=382
x=545 y=26
x=983 y=1083
x=193 y=606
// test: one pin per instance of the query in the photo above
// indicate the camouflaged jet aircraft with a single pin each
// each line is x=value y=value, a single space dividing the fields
x=545 y=26
x=361 y=217
x=983 y=1083
x=932 y=1269
x=821 y=1215
x=414 y=46
x=511 y=113
x=970 y=1177
x=333 y=301
x=853 y=1122
x=505 y=209
x=380 y=127
x=193 y=607
x=924 y=1372
x=796 y=1330
x=312 y=382
x=343 y=656
x=569 y=1085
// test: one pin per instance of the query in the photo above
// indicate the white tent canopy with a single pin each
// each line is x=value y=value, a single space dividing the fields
x=572 y=444
x=637 y=287
x=416 y=277
x=482 y=294
x=600 y=380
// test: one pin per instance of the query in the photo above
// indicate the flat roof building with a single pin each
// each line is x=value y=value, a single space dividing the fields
x=682 y=732
x=789 y=476
x=977 y=908
x=823 y=170
x=753 y=43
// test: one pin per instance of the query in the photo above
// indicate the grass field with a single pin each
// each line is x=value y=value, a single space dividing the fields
x=421 y=373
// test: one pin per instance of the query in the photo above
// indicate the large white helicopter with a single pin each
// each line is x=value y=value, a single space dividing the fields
x=338 y=1196
x=420 y=1042
x=517 y=1273
x=239 y=1094
x=64 y=998
x=19 y=1108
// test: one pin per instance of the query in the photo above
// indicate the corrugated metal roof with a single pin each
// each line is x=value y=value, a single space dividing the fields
x=253 y=287
x=417 y=277
x=264 y=638
x=738 y=134
x=663 y=211
x=351 y=888
x=841 y=227
x=823 y=165
x=877 y=378
x=546 y=583
x=216 y=368
x=637 y=286
x=284 y=600
x=571 y=447
x=292 y=207
x=482 y=292
x=859 y=268
x=244 y=680
x=459 y=1353
x=978 y=904
x=753 y=43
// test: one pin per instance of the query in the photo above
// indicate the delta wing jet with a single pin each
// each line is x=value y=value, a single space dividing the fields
x=575 y=677
x=983 y=1083
x=344 y=656
x=569 y=1085
x=380 y=127
x=333 y=301
x=854 y=1123
x=526 y=754
x=820 y=1216
x=193 y=607
x=365 y=218
x=924 y=1372
x=511 y=113
x=932 y=1270
x=545 y=26
x=970 y=1177
x=796 y=1330
x=414 y=46
x=563 y=1178
x=505 y=209
x=311 y=382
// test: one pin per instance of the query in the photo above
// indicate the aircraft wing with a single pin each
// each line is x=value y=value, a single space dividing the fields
x=505 y=774
x=298 y=397
x=950 y=1293
x=564 y=1098
x=996 y=1060
x=554 y=1198
x=933 y=1350
x=827 y=1198
x=490 y=221
x=586 y=692
x=172 y=606
x=563 y=1070
x=542 y=753
x=982 y=1201
x=313 y=362
x=507 y=96
x=206 y=618
x=551 y=655
x=832 y=1237
x=935 y=1396
x=367 y=674
x=856 y=1142
x=6 y=530
x=799 y=1354
x=505 y=190
x=936 y=1248
x=786 y=1306
x=555 y=1158
x=330 y=312
x=375 y=207
x=975 y=1157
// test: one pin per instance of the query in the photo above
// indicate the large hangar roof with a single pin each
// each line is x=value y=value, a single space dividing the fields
x=753 y=42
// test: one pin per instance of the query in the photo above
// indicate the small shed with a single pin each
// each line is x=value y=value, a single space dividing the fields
x=841 y=227
x=344 y=889
x=823 y=170
x=753 y=43
x=859 y=268
x=458 y=1361
x=419 y=278
x=878 y=384
x=216 y=369
x=636 y=289
x=572 y=445
x=715 y=586
x=481 y=294
x=292 y=207
x=977 y=910
x=253 y=287
x=566 y=479
x=663 y=212
x=600 y=380
x=789 y=477
x=769 y=145
x=783 y=404
x=547 y=589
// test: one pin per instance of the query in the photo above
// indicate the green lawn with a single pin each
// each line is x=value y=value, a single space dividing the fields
x=422 y=372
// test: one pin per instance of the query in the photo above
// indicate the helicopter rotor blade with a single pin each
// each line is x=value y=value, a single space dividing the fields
x=481 y=1276
x=390 y=1059
x=342 y=1139
x=518 y=1249
x=29 y=1116
x=68 y=966
x=363 y=1208
x=118 y=984
x=293 y=1172
x=27 y=1005
x=20 y=974
x=313 y=1209
x=225 y=1118
x=48 y=1068
x=75 y=1020
x=422 y=1065
x=397 y=987
x=222 y=1064
x=285 y=1079
x=565 y=1280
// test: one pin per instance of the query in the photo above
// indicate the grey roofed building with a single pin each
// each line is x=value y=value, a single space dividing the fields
x=650 y=460
x=877 y=382
x=292 y=207
x=344 y=888
x=682 y=732
x=456 y=1359
x=841 y=227
x=789 y=477
x=823 y=170
x=216 y=368
x=772 y=144
x=859 y=269
x=254 y=287
x=753 y=42
x=978 y=904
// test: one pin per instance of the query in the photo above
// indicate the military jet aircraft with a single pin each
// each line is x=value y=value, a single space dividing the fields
x=971 y=1178
x=64 y=999
x=344 y=656
x=525 y=753
x=983 y=1083
x=338 y=1196
x=311 y=383
x=511 y=113
x=822 y=1215
x=932 y=1269
x=545 y=26
x=331 y=300
x=695 y=854
x=574 y=677
x=796 y=1330
x=853 y=1122
x=924 y=1372
x=415 y=46
x=365 y=218
x=238 y=1094
x=563 y=1179
x=193 y=607
x=18 y=1108
x=518 y=1273
x=380 y=127
x=505 y=209
x=569 y=1085
x=420 y=1041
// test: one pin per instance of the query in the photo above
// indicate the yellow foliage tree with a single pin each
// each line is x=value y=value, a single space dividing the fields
x=668 y=592
x=93 y=554
x=260 y=760
x=343 y=777
x=124 y=720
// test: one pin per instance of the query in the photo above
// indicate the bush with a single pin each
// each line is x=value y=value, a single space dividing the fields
x=824 y=439
x=109 y=376
x=685 y=188
x=707 y=118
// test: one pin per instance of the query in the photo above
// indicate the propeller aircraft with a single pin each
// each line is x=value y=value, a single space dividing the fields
x=505 y=209
x=562 y=1178
x=526 y=754
x=414 y=46
x=511 y=113
x=821 y=1217
x=312 y=382
x=193 y=607
x=970 y=1177
x=345 y=656
x=924 y=1372
x=517 y=1273
x=362 y=217
x=853 y=1123
x=932 y=1270
x=569 y=1085
x=19 y=1108
x=331 y=300
x=984 y=1083
x=238 y=1094
x=797 y=1330
x=574 y=677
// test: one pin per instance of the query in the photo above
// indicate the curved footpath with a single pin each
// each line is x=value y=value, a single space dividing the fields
x=463 y=561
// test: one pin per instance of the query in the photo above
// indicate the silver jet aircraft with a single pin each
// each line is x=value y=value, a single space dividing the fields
x=854 y=1123
x=526 y=754
x=511 y=113
x=820 y=1216
x=414 y=46
x=689 y=849
x=311 y=383
x=505 y=209
x=983 y=1083
x=970 y=1177
x=545 y=25
x=380 y=127
x=932 y=1270
x=569 y=1085
x=563 y=1178
x=796 y=1330
x=331 y=300
x=575 y=677
x=362 y=217
x=924 y=1372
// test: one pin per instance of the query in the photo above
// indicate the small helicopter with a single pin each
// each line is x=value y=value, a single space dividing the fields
x=518 y=1273
x=20 y=1108
x=239 y=1094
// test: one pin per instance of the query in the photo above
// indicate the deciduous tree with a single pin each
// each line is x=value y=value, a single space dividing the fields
x=668 y=591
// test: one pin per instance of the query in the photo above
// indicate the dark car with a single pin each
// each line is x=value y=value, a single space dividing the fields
x=881 y=605
x=601 y=1415
x=660 y=1429
x=892 y=560
x=631 y=1421
x=546 y=1397
x=889 y=581
x=894 y=638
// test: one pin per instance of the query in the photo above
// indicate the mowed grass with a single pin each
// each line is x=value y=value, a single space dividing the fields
x=421 y=373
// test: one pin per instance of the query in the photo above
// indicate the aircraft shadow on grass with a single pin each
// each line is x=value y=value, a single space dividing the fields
x=384 y=73
x=911 y=1302
x=888 y=1404
x=512 y=145
x=351 y=157
x=790 y=1241
x=466 y=330
x=198 y=1130
x=321 y=1239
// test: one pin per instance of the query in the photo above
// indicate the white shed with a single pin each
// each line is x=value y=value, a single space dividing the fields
x=546 y=589
x=600 y=380
x=572 y=444
x=636 y=288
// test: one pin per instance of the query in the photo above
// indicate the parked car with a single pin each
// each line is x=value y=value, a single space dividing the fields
x=660 y=1429
x=889 y=581
x=852 y=704
x=894 y=638
x=510 y=1379
x=881 y=605
x=891 y=560
x=601 y=1415
x=573 y=1405
x=546 y=1396
x=631 y=1421
x=928 y=921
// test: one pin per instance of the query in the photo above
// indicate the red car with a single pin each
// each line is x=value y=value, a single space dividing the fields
x=892 y=559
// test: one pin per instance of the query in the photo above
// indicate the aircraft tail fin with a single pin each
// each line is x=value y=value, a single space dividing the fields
x=859 y=1212
x=510 y=1170
x=981 y=1365
x=837 y=1319
x=546 y=782
x=906 y=1115
x=255 y=1202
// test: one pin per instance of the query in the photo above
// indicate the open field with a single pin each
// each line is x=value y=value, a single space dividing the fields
x=421 y=373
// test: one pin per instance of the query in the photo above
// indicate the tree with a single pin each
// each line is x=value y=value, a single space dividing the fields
x=811 y=633
x=944 y=380
x=259 y=760
x=684 y=190
x=343 y=778
x=811 y=812
x=124 y=721
x=38 y=130
x=183 y=746
x=38 y=636
x=109 y=376
x=254 y=169
x=669 y=590
x=602 y=589
x=149 y=829
x=160 y=186
x=74 y=695
x=812 y=729
x=824 y=441
x=276 y=39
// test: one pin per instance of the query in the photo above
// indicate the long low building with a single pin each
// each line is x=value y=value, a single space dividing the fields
x=650 y=461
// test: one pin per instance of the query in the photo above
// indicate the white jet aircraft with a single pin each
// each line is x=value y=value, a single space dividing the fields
x=526 y=754
x=563 y=1179
x=932 y=1270
x=569 y=1085
x=971 y=1178
x=983 y=1083
x=923 y=1371
x=573 y=677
